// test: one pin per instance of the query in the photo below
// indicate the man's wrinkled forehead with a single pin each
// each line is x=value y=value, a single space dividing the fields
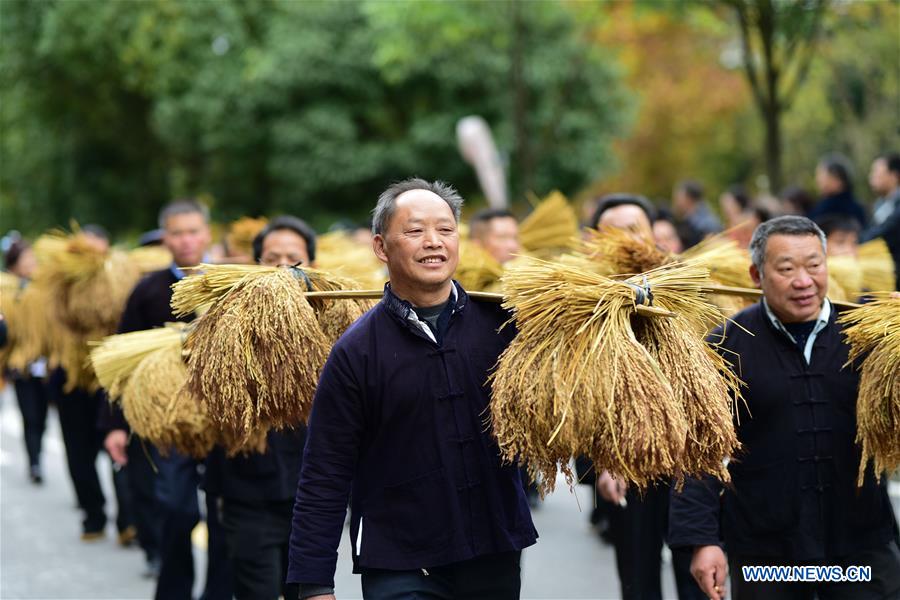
x=416 y=205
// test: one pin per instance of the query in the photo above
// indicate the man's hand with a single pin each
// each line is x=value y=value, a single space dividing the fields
x=709 y=568
x=115 y=443
x=612 y=489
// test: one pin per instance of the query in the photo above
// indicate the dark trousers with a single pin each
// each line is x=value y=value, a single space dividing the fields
x=492 y=577
x=637 y=532
x=144 y=505
x=885 y=583
x=83 y=441
x=219 y=578
x=176 y=493
x=258 y=536
x=32 y=397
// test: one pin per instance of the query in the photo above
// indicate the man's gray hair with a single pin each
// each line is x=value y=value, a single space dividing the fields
x=182 y=207
x=788 y=225
x=387 y=201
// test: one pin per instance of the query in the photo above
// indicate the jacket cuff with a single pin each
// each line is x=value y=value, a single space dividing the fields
x=308 y=590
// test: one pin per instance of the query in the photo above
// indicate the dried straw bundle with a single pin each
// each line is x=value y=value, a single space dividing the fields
x=10 y=291
x=338 y=253
x=477 y=269
x=621 y=252
x=89 y=285
x=335 y=316
x=551 y=228
x=31 y=322
x=150 y=258
x=255 y=356
x=241 y=233
x=877 y=266
x=728 y=263
x=70 y=351
x=576 y=380
x=873 y=331
x=116 y=357
x=157 y=408
x=846 y=273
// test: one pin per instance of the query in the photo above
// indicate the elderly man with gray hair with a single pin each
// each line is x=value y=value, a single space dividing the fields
x=398 y=417
x=793 y=502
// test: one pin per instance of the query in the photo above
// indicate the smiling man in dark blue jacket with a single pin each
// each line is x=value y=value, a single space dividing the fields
x=399 y=419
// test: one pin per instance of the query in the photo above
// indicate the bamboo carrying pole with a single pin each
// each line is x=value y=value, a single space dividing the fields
x=643 y=310
x=726 y=290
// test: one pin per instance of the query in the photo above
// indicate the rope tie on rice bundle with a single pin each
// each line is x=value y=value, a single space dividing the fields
x=256 y=354
x=873 y=332
x=642 y=397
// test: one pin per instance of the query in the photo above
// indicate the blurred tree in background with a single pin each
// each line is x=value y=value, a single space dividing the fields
x=111 y=108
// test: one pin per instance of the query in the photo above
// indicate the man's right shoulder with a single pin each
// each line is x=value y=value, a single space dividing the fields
x=356 y=337
x=154 y=280
x=737 y=326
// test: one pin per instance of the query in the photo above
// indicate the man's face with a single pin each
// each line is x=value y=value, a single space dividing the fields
x=421 y=243
x=500 y=238
x=666 y=237
x=794 y=280
x=284 y=248
x=627 y=216
x=681 y=203
x=187 y=237
x=843 y=243
x=26 y=264
x=826 y=183
x=881 y=180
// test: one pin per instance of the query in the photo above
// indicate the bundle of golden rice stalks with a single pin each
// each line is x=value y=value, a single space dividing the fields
x=617 y=251
x=728 y=263
x=32 y=325
x=256 y=354
x=836 y=291
x=577 y=380
x=160 y=411
x=116 y=357
x=241 y=233
x=150 y=258
x=873 y=331
x=877 y=266
x=477 y=269
x=846 y=272
x=89 y=284
x=337 y=252
x=551 y=228
x=70 y=351
x=10 y=291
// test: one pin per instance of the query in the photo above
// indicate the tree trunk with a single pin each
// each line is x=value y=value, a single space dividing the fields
x=773 y=148
x=523 y=162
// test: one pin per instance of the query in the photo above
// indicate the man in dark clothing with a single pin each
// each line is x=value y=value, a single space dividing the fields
x=31 y=387
x=257 y=490
x=793 y=499
x=166 y=496
x=884 y=180
x=835 y=183
x=399 y=418
x=78 y=410
x=637 y=520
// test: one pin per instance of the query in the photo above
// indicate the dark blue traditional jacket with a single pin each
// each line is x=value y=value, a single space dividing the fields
x=794 y=493
x=401 y=417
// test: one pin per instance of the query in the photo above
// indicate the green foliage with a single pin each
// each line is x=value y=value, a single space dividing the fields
x=112 y=108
